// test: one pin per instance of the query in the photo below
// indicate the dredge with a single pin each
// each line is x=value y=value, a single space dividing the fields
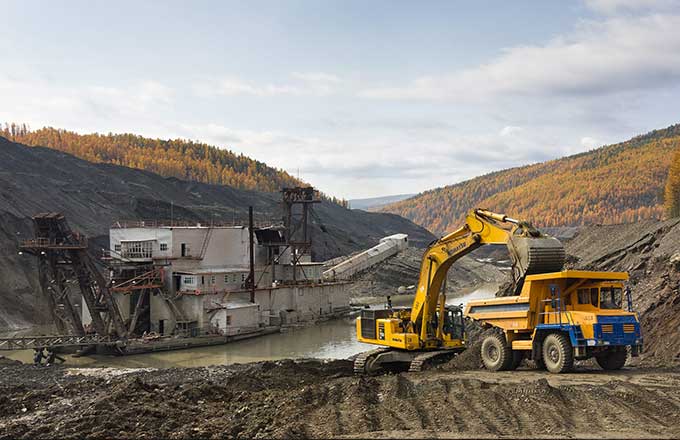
x=555 y=316
x=171 y=285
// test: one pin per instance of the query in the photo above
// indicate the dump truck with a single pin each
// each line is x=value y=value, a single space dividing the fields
x=560 y=317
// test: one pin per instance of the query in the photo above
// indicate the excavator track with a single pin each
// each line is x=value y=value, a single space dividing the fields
x=361 y=359
x=423 y=361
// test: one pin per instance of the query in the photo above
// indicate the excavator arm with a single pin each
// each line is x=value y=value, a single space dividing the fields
x=530 y=252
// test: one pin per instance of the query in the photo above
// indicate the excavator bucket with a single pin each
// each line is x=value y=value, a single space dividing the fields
x=537 y=255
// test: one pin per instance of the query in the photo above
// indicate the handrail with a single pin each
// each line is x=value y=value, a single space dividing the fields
x=260 y=223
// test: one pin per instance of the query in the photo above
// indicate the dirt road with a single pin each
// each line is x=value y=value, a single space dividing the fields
x=317 y=399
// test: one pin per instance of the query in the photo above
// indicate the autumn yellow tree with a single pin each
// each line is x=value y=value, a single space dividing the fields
x=672 y=192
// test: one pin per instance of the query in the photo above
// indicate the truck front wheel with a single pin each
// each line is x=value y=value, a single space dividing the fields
x=496 y=353
x=612 y=360
x=557 y=353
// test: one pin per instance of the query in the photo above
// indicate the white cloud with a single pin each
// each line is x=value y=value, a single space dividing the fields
x=589 y=143
x=37 y=101
x=510 y=130
x=416 y=160
x=300 y=84
x=235 y=86
x=610 y=56
x=617 y=6
x=316 y=77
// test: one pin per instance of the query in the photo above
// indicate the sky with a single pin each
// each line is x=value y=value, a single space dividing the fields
x=358 y=98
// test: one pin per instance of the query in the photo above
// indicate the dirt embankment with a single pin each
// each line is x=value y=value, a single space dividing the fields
x=318 y=400
x=650 y=253
x=403 y=269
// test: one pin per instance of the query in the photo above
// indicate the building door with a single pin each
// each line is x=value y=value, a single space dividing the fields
x=178 y=282
x=184 y=250
x=161 y=326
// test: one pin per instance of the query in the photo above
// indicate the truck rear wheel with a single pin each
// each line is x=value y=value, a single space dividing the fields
x=496 y=353
x=558 y=355
x=612 y=360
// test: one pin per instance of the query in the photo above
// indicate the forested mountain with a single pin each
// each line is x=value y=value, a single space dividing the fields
x=178 y=158
x=617 y=183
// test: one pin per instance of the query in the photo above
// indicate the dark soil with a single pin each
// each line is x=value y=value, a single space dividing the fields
x=313 y=399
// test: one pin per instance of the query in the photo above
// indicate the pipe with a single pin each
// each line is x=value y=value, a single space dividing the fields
x=494 y=216
x=251 y=240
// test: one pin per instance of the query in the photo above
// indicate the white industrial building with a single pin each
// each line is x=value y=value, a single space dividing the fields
x=204 y=271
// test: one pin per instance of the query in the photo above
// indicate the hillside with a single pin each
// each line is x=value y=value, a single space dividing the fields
x=178 y=158
x=93 y=196
x=618 y=183
x=376 y=202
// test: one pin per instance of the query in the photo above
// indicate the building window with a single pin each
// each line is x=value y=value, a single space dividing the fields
x=226 y=279
x=137 y=249
x=213 y=280
x=164 y=246
x=117 y=248
x=243 y=278
x=203 y=280
x=228 y=319
x=190 y=280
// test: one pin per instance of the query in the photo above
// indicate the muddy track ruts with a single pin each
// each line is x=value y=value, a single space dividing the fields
x=323 y=399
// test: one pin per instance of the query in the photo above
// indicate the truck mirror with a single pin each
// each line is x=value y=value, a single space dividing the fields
x=629 y=299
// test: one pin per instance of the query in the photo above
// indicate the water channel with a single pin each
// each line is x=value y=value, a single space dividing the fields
x=334 y=339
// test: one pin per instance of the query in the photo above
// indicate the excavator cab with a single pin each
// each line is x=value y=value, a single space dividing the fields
x=454 y=326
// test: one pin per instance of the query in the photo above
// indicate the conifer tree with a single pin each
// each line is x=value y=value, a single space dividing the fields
x=672 y=192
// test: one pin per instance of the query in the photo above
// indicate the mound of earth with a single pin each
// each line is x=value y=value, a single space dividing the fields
x=314 y=399
x=403 y=269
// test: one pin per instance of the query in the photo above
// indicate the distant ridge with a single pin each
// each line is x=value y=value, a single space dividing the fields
x=618 y=183
x=376 y=202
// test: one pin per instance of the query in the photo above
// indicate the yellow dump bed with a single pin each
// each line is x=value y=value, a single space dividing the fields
x=524 y=311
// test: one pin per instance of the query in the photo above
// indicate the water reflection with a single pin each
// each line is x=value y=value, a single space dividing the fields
x=334 y=339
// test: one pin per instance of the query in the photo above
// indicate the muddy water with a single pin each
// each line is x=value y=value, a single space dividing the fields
x=334 y=339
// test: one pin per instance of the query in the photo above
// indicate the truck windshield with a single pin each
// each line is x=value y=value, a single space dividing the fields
x=610 y=297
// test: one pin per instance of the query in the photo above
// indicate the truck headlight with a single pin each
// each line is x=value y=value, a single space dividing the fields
x=591 y=342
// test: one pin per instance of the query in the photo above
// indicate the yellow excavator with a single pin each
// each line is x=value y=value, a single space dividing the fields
x=430 y=331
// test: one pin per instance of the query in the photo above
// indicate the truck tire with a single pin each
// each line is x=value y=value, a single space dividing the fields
x=558 y=355
x=496 y=354
x=612 y=360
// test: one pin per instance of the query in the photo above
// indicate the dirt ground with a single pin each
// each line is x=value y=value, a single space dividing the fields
x=314 y=399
